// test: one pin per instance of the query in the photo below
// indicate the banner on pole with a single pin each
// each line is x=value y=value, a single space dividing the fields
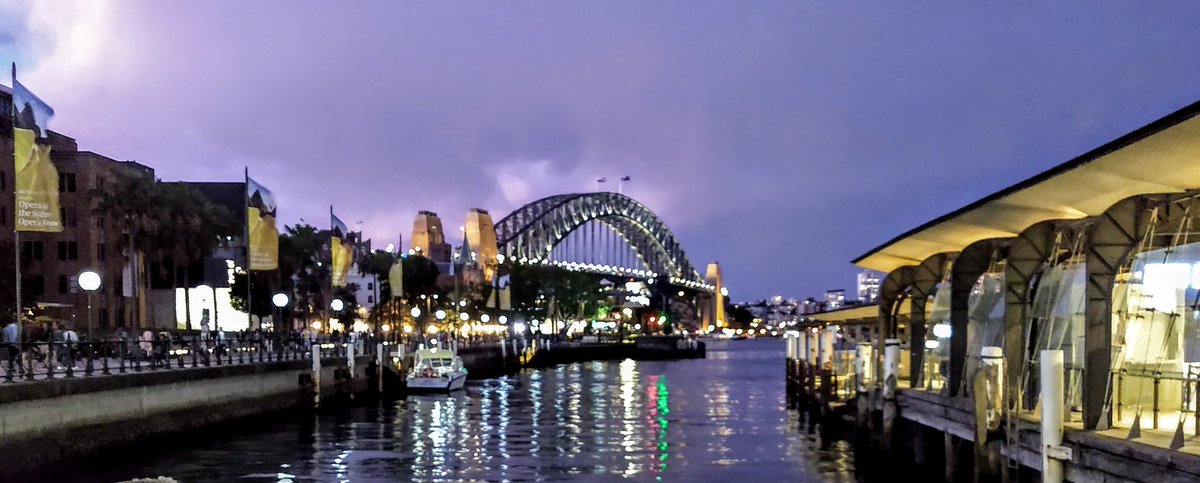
x=341 y=251
x=261 y=228
x=396 y=279
x=36 y=194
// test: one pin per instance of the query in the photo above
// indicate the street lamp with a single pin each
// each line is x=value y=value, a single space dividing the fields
x=440 y=315
x=89 y=281
x=279 y=300
x=503 y=319
x=337 y=305
x=415 y=312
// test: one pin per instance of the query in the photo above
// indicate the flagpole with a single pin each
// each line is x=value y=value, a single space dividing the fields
x=246 y=237
x=16 y=232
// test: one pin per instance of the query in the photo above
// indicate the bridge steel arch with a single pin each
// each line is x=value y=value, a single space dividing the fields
x=528 y=234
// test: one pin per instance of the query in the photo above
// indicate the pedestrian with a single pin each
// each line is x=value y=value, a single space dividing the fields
x=146 y=344
x=204 y=327
x=10 y=344
x=70 y=343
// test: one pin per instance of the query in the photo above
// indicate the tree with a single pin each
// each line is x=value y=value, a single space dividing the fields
x=575 y=294
x=420 y=277
x=300 y=270
x=260 y=298
x=169 y=224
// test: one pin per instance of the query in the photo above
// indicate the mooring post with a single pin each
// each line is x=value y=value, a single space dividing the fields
x=863 y=362
x=379 y=359
x=989 y=406
x=891 y=372
x=814 y=350
x=316 y=375
x=1052 y=416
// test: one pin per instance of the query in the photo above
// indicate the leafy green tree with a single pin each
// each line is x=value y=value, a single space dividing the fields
x=301 y=270
x=260 y=299
x=575 y=294
x=170 y=225
x=420 y=277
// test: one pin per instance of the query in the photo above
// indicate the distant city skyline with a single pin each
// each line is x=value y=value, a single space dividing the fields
x=781 y=140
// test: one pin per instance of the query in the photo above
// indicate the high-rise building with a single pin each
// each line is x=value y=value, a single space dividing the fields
x=868 y=287
x=835 y=299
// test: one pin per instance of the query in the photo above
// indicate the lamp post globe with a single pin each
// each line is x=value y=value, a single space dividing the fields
x=464 y=316
x=485 y=318
x=440 y=314
x=503 y=319
x=337 y=305
x=415 y=312
x=89 y=281
x=280 y=300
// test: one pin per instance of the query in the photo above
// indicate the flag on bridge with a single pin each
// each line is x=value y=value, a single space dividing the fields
x=36 y=194
x=263 y=246
x=341 y=250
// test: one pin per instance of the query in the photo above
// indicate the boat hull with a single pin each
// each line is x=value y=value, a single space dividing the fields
x=436 y=384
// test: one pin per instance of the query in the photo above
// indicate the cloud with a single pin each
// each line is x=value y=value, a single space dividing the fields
x=782 y=139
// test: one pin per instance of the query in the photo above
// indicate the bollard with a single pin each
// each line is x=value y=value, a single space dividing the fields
x=862 y=366
x=316 y=375
x=988 y=395
x=379 y=359
x=503 y=353
x=826 y=348
x=1052 y=416
x=813 y=345
x=891 y=367
x=993 y=367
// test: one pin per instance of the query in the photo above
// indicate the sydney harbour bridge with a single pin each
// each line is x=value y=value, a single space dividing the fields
x=604 y=233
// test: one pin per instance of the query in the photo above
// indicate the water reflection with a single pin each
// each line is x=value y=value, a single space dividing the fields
x=703 y=420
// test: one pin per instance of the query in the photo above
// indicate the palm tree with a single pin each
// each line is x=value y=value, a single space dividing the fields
x=169 y=225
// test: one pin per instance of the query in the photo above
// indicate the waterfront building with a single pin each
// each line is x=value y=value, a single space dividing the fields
x=51 y=262
x=835 y=299
x=868 y=286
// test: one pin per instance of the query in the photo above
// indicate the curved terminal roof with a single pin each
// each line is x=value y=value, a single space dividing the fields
x=1161 y=157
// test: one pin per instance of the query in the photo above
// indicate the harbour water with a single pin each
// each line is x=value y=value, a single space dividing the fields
x=723 y=418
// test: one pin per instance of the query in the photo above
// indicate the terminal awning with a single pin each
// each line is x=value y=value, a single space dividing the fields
x=1162 y=157
x=861 y=313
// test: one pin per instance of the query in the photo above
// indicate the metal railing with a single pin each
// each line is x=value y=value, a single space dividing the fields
x=41 y=361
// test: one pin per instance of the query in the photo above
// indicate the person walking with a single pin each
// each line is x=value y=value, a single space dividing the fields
x=204 y=328
x=70 y=345
x=12 y=347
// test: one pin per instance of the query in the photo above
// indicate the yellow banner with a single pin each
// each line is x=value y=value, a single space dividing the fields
x=341 y=256
x=264 y=241
x=264 y=235
x=36 y=207
x=396 y=279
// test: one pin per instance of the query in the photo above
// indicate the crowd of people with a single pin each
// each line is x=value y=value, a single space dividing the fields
x=56 y=346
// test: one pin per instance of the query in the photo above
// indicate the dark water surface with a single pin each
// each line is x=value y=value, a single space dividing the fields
x=723 y=418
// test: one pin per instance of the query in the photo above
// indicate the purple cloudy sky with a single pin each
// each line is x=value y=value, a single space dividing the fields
x=780 y=138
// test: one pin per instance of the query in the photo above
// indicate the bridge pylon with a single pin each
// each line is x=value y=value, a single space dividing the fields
x=712 y=307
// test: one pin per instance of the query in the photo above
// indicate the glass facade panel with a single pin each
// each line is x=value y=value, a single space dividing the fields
x=1156 y=339
x=1055 y=322
x=937 y=338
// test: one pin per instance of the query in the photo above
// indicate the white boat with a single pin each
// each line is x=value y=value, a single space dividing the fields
x=436 y=369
